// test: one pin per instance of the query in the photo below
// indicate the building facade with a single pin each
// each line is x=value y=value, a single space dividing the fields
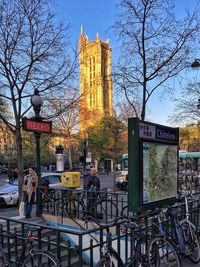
x=7 y=146
x=95 y=81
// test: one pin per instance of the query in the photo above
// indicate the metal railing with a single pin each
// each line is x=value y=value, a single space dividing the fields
x=76 y=245
x=71 y=247
x=78 y=203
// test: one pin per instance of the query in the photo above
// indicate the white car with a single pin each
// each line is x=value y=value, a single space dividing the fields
x=53 y=178
x=121 y=182
x=9 y=194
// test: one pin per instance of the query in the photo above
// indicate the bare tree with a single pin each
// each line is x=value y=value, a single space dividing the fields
x=33 y=55
x=187 y=110
x=66 y=126
x=155 y=46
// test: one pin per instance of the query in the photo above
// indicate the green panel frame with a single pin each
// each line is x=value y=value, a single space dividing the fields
x=134 y=184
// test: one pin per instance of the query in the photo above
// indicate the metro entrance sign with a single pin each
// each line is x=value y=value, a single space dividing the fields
x=153 y=164
x=32 y=125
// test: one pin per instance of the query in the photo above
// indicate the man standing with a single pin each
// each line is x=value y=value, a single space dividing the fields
x=92 y=181
x=92 y=185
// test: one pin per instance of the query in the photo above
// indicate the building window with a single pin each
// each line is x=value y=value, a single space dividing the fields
x=90 y=99
x=90 y=72
x=93 y=70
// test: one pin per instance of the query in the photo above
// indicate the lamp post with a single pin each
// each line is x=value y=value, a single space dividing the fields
x=196 y=64
x=36 y=101
x=85 y=144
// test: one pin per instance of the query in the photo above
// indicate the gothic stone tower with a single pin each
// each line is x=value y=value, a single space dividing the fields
x=95 y=81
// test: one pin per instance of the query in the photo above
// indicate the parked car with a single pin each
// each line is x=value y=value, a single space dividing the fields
x=54 y=179
x=9 y=194
x=121 y=182
x=3 y=169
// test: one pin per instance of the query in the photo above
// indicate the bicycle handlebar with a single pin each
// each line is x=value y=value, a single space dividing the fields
x=121 y=219
x=13 y=235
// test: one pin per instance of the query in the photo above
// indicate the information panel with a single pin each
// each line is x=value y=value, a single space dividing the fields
x=159 y=172
x=153 y=164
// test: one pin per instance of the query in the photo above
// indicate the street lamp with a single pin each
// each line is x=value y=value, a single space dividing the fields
x=196 y=64
x=85 y=145
x=36 y=101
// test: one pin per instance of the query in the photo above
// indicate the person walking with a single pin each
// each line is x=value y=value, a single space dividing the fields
x=10 y=175
x=92 y=185
x=29 y=190
x=15 y=174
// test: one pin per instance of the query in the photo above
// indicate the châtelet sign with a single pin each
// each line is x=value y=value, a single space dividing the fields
x=32 y=125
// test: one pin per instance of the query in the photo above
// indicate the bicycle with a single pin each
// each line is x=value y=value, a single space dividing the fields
x=161 y=249
x=138 y=244
x=30 y=257
x=190 y=246
x=183 y=240
x=74 y=204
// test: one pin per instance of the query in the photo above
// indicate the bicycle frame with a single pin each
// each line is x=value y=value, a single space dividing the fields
x=180 y=224
x=180 y=244
x=28 y=241
x=108 y=252
x=4 y=258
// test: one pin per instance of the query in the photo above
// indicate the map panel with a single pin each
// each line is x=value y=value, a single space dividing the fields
x=159 y=171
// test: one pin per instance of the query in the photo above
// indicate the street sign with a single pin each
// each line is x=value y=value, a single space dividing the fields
x=32 y=125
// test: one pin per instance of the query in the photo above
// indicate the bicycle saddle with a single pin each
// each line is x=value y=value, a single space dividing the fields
x=174 y=211
x=133 y=226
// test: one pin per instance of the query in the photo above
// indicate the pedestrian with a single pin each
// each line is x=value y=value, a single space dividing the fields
x=10 y=175
x=15 y=174
x=29 y=190
x=92 y=185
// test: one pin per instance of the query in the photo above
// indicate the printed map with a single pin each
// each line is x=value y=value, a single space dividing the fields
x=159 y=171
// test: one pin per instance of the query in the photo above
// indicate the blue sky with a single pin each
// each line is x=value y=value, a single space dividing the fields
x=98 y=16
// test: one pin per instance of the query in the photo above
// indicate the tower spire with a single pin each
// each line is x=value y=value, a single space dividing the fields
x=82 y=30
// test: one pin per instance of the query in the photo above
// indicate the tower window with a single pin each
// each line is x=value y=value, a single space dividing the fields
x=90 y=72
x=90 y=99
x=93 y=70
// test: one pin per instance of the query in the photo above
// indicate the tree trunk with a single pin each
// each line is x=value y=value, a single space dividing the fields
x=114 y=175
x=70 y=157
x=20 y=164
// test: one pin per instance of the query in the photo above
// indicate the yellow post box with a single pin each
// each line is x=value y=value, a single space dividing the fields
x=70 y=179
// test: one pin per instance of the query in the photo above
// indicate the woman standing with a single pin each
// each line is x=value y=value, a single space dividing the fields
x=29 y=190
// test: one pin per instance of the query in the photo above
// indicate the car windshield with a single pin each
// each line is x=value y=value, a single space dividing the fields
x=53 y=179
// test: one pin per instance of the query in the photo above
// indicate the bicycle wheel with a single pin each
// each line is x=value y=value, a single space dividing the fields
x=75 y=209
x=3 y=258
x=106 y=261
x=192 y=246
x=139 y=257
x=126 y=212
x=105 y=210
x=162 y=253
x=110 y=259
x=38 y=258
